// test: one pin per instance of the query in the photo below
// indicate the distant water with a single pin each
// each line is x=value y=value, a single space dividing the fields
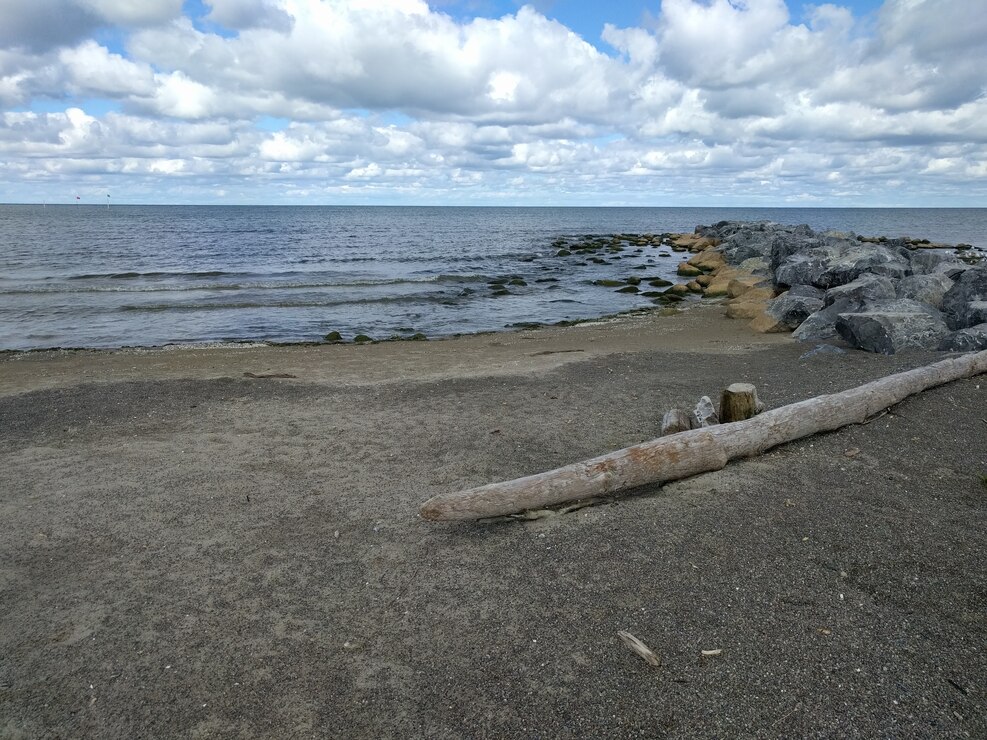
x=86 y=276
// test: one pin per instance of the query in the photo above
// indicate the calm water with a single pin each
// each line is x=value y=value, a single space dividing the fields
x=85 y=276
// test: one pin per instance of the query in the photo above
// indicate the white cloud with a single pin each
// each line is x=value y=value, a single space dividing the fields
x=242 y=14
x=366 y=95
x=134 y=12
x=91 y=69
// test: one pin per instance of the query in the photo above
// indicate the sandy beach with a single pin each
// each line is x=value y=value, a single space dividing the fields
x=188 y=551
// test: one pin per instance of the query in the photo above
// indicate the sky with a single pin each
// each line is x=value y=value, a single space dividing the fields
x=494 y=102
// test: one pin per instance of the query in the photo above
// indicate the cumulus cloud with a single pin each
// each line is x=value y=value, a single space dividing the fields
x=40 y=25
x=134 y=12
x=350 y=96
x=240 y=14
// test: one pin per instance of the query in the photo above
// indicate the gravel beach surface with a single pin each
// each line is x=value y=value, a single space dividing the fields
x=188 y=551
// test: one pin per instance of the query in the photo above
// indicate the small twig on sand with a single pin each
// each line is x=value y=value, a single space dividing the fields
x=783 y=718
x=640 y=648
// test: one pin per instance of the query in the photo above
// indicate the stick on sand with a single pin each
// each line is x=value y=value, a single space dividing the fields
x=699 y=450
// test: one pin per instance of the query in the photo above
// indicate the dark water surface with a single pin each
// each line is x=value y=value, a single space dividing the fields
x=85 y=276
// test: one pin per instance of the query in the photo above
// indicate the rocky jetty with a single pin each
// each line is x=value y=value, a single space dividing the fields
x=877 y=294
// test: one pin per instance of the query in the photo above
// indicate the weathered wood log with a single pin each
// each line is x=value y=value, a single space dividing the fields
x=699 y=450
x=677 y=420
x=738 y=402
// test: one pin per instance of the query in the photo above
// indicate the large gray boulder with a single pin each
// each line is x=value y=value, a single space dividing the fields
x=802 y=268
x=785 y=245
x=972 y=339
x=752 y=241
x=791 y=310
x=839 y=263
x=976 y=312
x=865 y=289
x=822 y=324
x=891 y=326
x=926 y=288
x=808 y=291
x=969 y=288
x=862 y=258
x=931 y=261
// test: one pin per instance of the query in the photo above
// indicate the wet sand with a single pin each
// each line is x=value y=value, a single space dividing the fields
x=189 y=552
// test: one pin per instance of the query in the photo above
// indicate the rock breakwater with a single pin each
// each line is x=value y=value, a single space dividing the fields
x=878 y=294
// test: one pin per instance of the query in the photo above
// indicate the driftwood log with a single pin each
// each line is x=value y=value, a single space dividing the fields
x=699 y=450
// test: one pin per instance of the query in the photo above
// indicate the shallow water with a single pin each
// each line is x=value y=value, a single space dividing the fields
x=85 y=276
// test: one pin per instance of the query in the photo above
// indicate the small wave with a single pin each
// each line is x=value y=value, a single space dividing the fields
x=138 y=275
x=249 y=285
x=192 y=307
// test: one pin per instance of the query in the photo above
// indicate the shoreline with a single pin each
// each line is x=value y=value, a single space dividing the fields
x=699 y=328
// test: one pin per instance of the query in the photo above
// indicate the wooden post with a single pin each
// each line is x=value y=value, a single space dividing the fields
x=738 y=402
x=698 y=450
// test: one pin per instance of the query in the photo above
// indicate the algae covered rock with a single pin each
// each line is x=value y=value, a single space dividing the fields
x=333 y=336
x=686 y=270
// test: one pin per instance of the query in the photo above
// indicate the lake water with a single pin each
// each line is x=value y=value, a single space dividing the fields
x=85 y=276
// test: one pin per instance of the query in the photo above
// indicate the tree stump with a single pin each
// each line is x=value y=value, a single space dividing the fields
x=738 y=402
x=677 y=420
